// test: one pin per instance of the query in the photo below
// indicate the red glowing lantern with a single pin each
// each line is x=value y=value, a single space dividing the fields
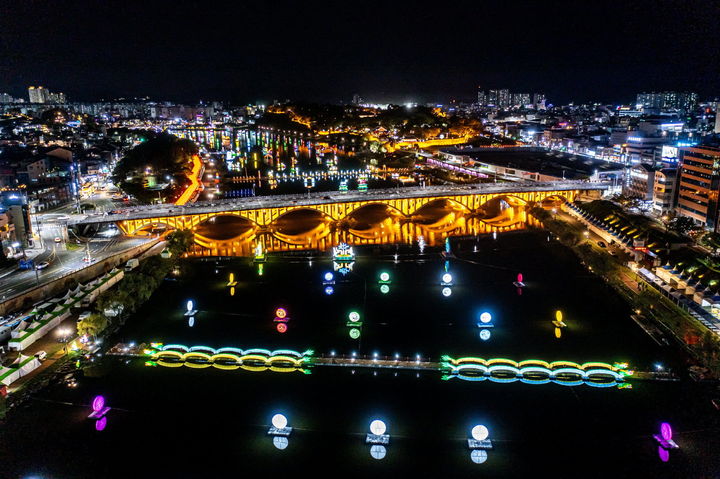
x=520 y=278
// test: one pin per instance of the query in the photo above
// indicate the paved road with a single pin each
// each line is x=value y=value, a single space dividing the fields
x=62 y=260
x=152 y=211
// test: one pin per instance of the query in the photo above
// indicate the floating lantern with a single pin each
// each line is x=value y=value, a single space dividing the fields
x=447 y=279
x=378 y=427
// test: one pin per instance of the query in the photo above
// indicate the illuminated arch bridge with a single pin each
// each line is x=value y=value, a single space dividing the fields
x=331 y=209
x=502 y=370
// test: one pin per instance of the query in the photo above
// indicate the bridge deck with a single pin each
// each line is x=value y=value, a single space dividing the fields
x=329 y=197
x=136 y=351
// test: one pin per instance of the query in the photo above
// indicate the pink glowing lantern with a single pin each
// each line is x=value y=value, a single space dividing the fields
x=98 y=403
x=281 y=327
x=98 y=408
x=520 y=278
x=666 y=431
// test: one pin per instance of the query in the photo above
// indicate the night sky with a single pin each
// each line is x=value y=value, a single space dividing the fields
x=263 y=50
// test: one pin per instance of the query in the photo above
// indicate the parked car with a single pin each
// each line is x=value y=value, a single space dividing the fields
x=83 y=316
x=41 y=355
x=42 y=265
x=601 y=244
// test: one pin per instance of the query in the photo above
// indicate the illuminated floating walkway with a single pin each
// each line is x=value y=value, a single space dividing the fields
x=534 y=371
x=500 y=370
x=177 y=355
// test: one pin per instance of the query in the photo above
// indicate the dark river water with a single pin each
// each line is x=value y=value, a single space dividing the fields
x=196 y=423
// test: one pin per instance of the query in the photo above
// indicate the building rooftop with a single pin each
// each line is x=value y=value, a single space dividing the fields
x=540 y=160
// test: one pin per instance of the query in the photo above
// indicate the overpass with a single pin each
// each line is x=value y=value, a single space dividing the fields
x=324 y=210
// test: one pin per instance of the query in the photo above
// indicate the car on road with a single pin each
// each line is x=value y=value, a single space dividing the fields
x=58 y=239
x=42 y=265
x=41 y=355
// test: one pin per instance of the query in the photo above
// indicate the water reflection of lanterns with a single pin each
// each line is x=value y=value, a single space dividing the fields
x=665 y=441
x=281 y=327
x=485 y=334
x=329 y=290
x=280 y=431
x=354 y=333
x=377 y=434
x=446 y=292
x=99 y=412
x=479 y=444
x=378 y=451
x=384 y=289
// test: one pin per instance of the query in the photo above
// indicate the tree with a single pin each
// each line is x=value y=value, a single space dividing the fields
x=92 y=325
x=180 y=241
x=681 y=224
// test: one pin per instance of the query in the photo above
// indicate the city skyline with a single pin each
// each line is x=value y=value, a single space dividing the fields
x=260 y=53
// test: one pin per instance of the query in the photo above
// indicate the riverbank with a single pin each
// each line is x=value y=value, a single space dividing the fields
x=646 y=302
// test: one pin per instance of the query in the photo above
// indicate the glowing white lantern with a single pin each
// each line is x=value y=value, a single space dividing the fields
x=329 y=276
x=384 y=276
x=480 y=432
x=447 y=278
x=354 y=316
x=378 y=427
x=279 y=421
x=485 y=317
x=190 y=305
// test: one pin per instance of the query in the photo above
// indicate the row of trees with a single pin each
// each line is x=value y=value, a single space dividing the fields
x=138 y=285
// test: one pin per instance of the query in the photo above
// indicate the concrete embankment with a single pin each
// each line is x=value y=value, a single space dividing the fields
x=58 y=286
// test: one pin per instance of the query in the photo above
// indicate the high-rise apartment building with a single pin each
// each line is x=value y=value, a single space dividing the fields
x=538 y=100
x=520 y=99
x=699 y=185
x=503 y=98
x=481 y=98
x=668 y=100
x=38 y=94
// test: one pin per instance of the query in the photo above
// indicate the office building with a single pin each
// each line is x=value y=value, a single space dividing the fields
x=699 y=185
